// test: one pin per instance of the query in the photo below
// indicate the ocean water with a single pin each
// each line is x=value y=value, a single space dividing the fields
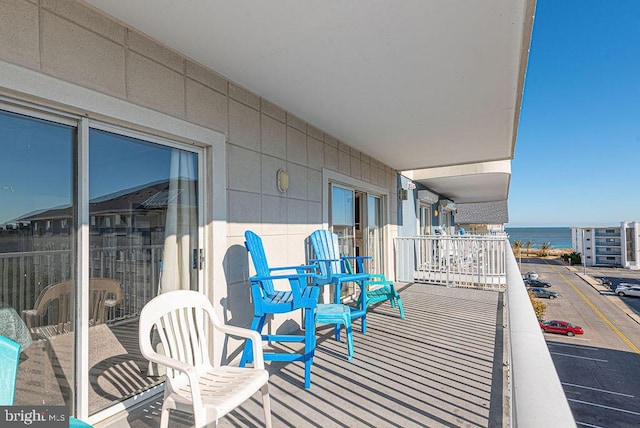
x=558 y=237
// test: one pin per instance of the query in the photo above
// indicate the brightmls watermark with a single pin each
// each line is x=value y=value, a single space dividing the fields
x=34 y=416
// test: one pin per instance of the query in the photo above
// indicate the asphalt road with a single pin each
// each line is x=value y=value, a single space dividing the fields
x=600 y=370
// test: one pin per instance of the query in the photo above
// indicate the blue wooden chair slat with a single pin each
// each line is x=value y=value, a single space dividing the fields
x=268 y=301
x=331 y=271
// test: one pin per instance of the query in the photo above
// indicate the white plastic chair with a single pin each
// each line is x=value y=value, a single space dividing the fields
x=181 y=320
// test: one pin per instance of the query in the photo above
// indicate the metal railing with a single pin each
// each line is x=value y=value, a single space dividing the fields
x=24 y=275
x=614 y=233
x=605 y=243
x=476 y=261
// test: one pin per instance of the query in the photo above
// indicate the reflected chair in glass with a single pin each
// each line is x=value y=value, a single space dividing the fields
x=51 y=314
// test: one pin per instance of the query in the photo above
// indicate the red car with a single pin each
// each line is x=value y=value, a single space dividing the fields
x=562 y=327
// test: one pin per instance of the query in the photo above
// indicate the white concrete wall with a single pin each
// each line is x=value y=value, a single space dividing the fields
x=70 y=42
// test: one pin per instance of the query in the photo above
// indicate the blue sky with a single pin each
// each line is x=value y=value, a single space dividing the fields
x=577 y=157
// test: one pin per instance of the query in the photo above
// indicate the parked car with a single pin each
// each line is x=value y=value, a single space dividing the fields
x=606 y=282
x=625 y=289
x=537 y=283
x=562 y=327
x=530 y=275
x=543 y=292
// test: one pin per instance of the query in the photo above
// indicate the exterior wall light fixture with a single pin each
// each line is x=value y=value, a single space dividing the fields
x=283 y=180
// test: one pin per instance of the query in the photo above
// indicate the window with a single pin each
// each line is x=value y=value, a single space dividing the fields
x=425 y=219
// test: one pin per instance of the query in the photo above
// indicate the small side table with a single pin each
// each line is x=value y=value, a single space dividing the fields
x=335 y=313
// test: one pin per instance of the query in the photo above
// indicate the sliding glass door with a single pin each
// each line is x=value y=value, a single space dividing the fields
x=37 y=241
x=357 y=219
x=425 y=219
x=374 y=235
x=144 y=231
x=343 y=222
x=143 y=209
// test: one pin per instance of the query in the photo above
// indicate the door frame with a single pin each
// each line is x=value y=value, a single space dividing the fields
x=331 y=177
x=21 y=86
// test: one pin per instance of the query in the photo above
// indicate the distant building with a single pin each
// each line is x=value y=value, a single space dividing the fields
x=482 y=217
x=608 y=245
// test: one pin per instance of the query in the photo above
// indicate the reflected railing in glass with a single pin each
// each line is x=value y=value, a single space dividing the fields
x=26 y=274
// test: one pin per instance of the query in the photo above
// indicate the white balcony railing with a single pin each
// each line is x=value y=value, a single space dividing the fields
x=532 y=374
x=476 y=261
x=487 y=262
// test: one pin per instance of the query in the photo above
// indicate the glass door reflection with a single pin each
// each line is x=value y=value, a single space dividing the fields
x=36 y=253
x=143 y=213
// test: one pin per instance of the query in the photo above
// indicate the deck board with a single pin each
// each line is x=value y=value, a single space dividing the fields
x=441 y=366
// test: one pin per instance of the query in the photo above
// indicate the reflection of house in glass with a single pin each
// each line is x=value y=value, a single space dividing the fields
x=127 y=231
x=138 y=214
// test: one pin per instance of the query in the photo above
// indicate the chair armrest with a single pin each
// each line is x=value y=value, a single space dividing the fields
x=283 y=276
x=358 y=260
x=170 y=362
x=29 y=316
x=378 y=277
x=254 y=336
x=299 y=268
x=295 y=282
x=187 y=369
x=328 y=279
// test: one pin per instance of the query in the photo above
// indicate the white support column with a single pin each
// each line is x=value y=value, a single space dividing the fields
x=81 y=306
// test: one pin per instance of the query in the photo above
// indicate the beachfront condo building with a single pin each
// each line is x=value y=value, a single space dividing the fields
x=608 y=245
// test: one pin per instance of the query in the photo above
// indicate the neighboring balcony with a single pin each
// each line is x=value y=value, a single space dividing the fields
x=475 y=261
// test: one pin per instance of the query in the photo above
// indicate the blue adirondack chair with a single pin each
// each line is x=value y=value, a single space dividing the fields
x=267 y=301
x=379 y=288
x=333 y=271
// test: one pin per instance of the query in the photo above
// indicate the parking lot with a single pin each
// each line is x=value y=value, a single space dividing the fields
x=599 y=369
x=617 y=276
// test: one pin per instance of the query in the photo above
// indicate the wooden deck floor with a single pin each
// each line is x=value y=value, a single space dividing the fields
x=116 y=367
x=441 y=366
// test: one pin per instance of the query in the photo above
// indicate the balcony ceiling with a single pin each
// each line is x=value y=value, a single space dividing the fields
x=415 y=84
x=480 y=182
